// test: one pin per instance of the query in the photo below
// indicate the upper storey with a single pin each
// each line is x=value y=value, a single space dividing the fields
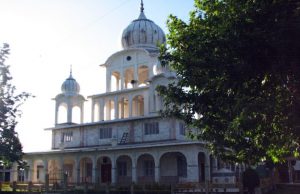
x=143 y=33
x=132 y=75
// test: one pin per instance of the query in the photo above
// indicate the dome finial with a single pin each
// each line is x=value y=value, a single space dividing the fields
x=71 y=70
x=142 y=6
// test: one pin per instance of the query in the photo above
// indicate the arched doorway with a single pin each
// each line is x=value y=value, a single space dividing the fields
x=86 y=170
x=145 y=169
x=39 y=171
x=104 y=166
x=173 y=167
x=54 y=171
x=124 y=170
x=69 y=169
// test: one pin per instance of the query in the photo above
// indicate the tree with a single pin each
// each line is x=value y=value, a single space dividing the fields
x=10 y=146
x=237 y=63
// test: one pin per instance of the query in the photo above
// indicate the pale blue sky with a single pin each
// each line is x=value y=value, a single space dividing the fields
x=46 y=36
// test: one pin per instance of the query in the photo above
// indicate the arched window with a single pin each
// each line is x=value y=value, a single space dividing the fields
x=109 y=110
x=96 y=112
x=62 y=113
x=115 y=81
x=138 y=106
x=129 y=81
x=143 y=75
x=123 y=108
x=76 y=113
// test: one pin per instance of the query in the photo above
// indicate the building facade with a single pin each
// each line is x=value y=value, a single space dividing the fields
x=127 y=141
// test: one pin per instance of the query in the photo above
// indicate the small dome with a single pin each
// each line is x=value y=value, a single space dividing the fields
x=143 y=33
x=70 y=86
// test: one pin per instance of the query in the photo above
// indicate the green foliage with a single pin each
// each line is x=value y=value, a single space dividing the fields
x=237 y=64
x=10 y=146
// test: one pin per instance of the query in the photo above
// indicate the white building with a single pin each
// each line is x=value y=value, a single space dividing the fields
x=127 y=140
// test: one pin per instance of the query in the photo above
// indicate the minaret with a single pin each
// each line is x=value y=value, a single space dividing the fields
x=69 y=98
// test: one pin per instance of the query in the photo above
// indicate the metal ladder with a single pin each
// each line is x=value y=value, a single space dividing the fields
x=124 y=138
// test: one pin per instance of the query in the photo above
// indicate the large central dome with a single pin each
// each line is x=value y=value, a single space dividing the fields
x=143 y=33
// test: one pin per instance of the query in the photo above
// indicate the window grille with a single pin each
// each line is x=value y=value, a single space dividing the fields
x=105 y=133
x=151 y=128
x=67 y=137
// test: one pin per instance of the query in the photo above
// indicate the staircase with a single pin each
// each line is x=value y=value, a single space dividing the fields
x=124 y=138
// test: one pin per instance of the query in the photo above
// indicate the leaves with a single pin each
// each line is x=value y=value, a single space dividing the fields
x=237 y=64
x=10 y=146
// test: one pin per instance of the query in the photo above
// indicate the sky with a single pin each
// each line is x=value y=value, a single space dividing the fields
x=47 y=36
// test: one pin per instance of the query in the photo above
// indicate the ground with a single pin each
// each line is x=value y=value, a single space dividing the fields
x=287 y=190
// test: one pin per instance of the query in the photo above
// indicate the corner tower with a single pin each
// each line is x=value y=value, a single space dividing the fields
x=69 y=98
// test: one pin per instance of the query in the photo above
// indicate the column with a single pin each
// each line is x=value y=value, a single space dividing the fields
x=116 y=107
x=113 y=171
x=207 y=167
x=122 y=79
x=108 y=109
x=69 y=112
x=136 y=76
x=56 y=113
x=82 y=112
x=134 y=168
x=77 y=170
x=61 y=163
x=134 y=177
x=136 y=107
x=130 y=105
x=14 y=172
x=157 y=166
x=101 y=109
x=146 y=104
x=30 y=171
x=63 y=180
x=108 y=81
x=192 y=165
x=94 y=178
x=93 y=110
x=157 y=173
x=122 y=108
x=45 y=169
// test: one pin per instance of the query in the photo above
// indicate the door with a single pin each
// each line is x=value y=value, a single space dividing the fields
x=106 y=173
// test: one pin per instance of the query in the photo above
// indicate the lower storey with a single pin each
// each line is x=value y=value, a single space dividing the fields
x=153 y=164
